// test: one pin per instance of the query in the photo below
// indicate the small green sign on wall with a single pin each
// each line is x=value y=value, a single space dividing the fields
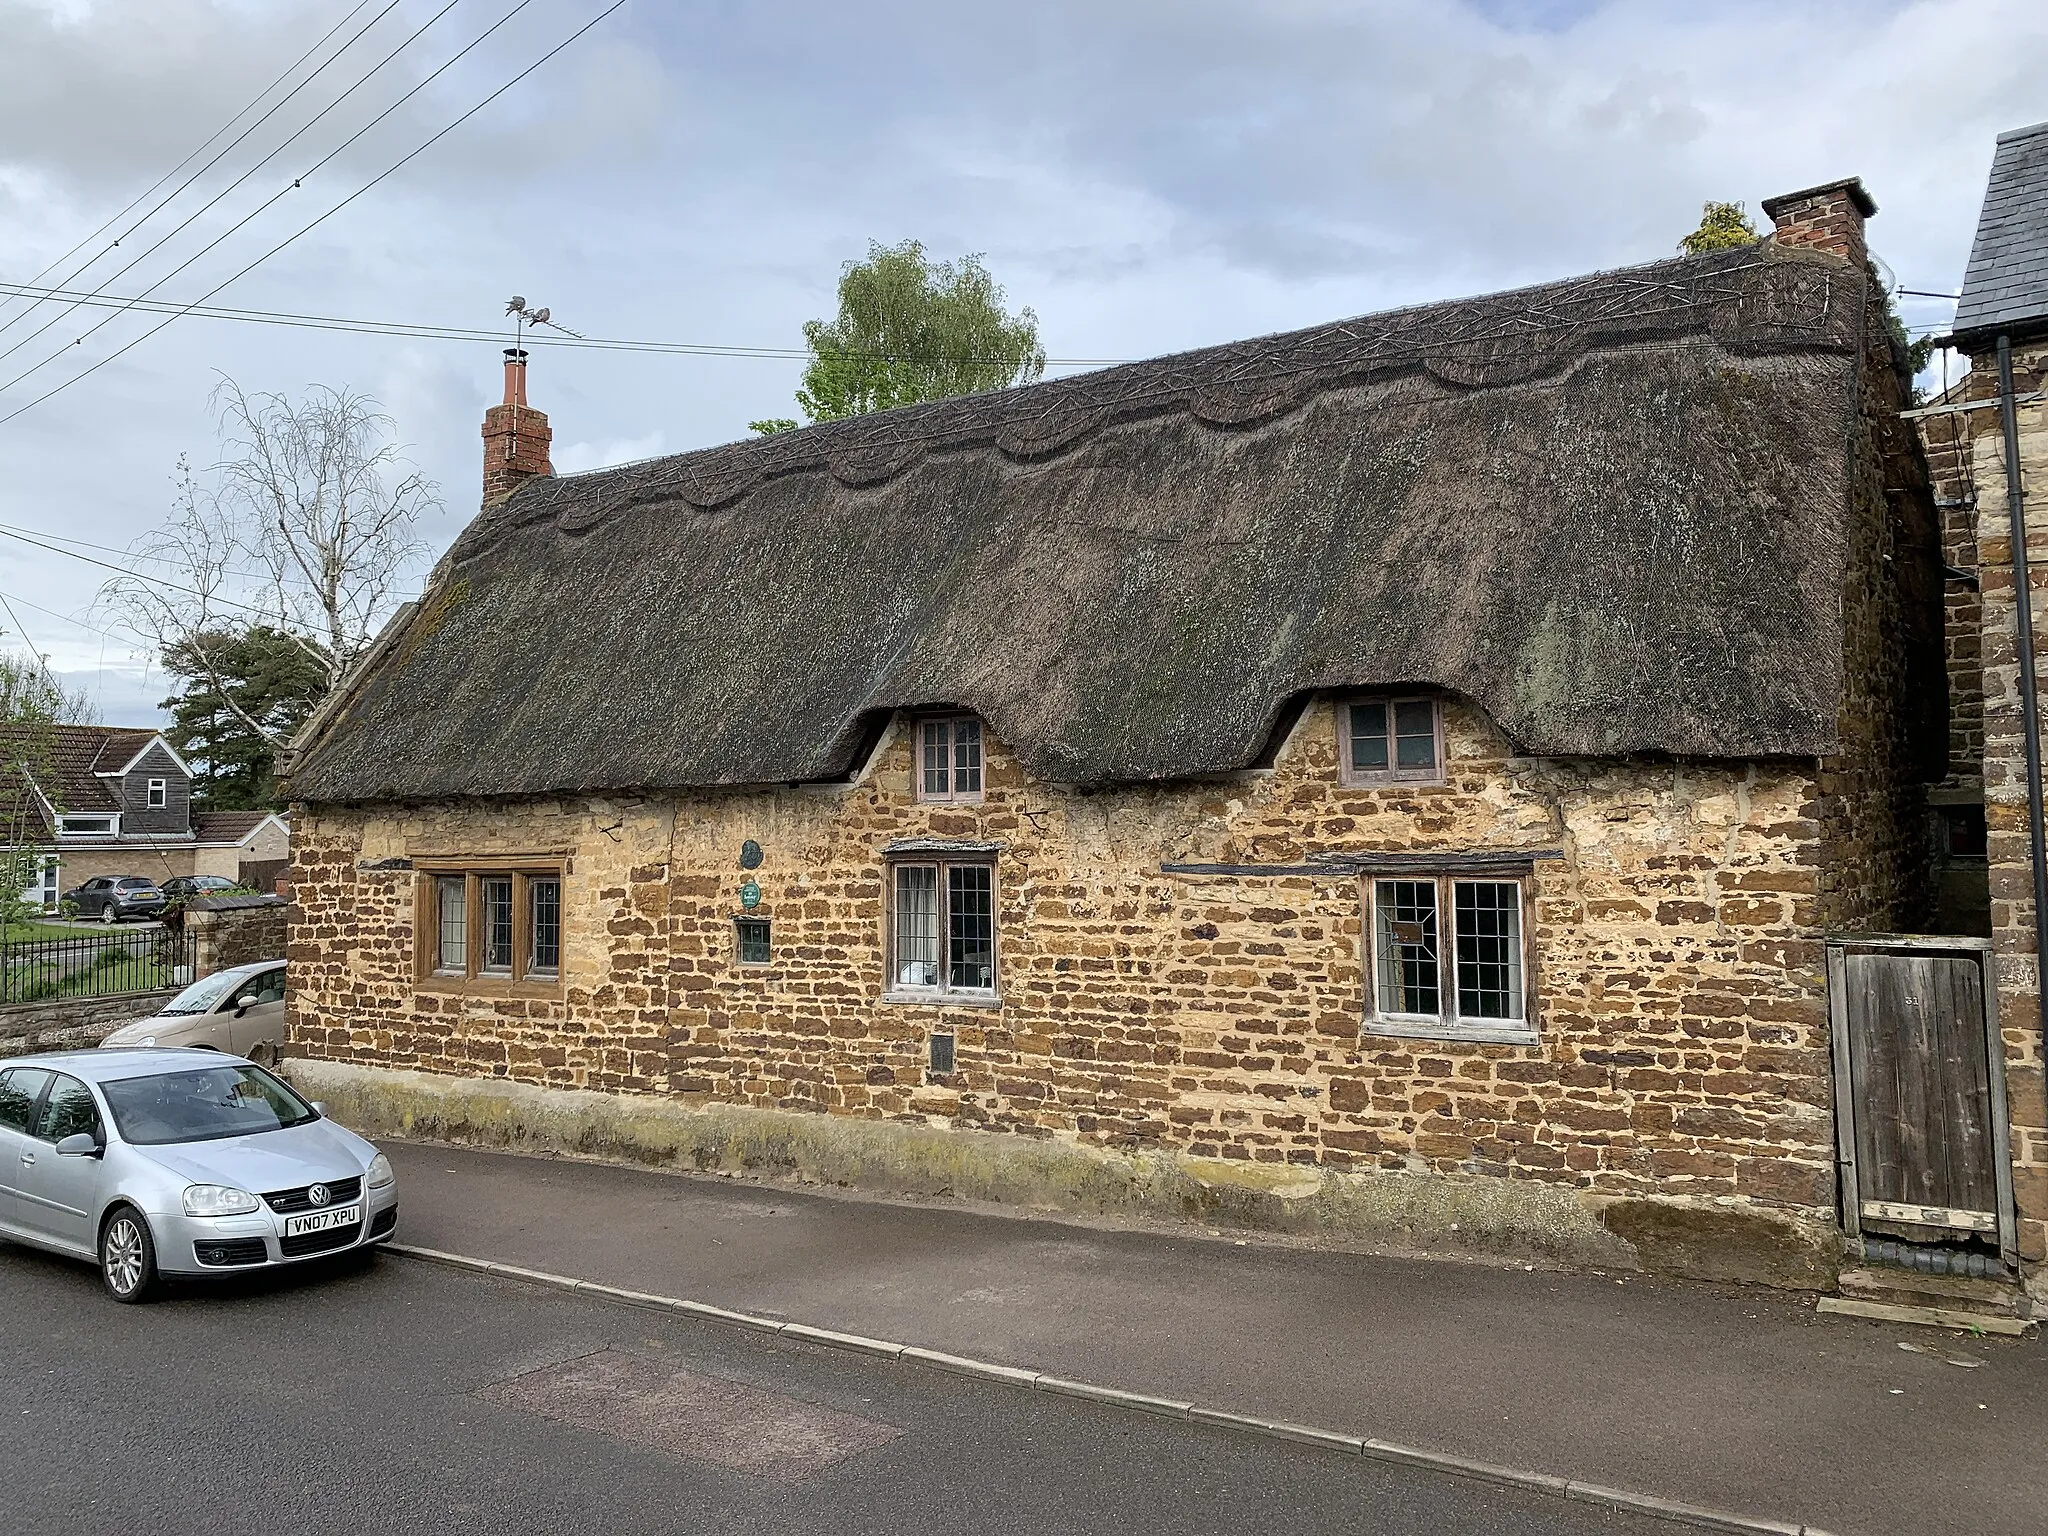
x=750 y=895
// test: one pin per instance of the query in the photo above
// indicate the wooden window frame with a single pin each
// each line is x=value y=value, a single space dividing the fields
x=951 y=795
x=1447 y=1023
x=1391 y=774
x=521 y=978
x=943 y=994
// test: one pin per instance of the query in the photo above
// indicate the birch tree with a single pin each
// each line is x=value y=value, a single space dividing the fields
x=307 y=526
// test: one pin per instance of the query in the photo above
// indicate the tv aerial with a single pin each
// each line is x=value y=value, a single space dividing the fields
x=523 y=317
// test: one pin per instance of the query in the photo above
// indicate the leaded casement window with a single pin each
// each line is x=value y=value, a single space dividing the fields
x=949 y=758
x=1449 y=958
x=942 y=929
x=1396 y=740
x=501 y=926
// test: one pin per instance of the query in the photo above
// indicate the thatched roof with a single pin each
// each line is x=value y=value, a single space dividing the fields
x=1610 y=511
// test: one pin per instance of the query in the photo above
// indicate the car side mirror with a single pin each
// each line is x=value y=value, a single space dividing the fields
x=320 y=1108
x=83 y=1144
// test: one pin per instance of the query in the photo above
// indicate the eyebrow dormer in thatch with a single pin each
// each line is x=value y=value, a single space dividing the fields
x=1611 y=511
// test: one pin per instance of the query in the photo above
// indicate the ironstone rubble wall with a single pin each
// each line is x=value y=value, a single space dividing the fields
x=235 y=930
x=1682 y=1058
x=1679 y=990
x=2004 y=765
x=72 y=1022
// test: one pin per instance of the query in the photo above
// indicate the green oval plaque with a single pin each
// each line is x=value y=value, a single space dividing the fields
x=750 y=895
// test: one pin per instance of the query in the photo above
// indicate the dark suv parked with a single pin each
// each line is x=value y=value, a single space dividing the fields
x=113 y=897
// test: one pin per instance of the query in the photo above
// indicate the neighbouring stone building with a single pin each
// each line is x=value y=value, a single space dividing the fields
x=1985 y=834
x=114 y=800
x=1436 y=743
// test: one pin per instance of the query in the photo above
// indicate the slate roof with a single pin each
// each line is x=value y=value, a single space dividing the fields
x=64 y=761
x=226 y=826
x=2006 y=285
x=1611 y=511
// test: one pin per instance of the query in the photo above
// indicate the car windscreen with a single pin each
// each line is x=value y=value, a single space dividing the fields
x=205 y=993
x=204 y=1104
x=136 y=885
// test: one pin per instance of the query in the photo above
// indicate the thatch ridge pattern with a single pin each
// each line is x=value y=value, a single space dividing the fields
x=1611 y=512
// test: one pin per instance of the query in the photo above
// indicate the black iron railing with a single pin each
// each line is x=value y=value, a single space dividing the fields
x=94 y=965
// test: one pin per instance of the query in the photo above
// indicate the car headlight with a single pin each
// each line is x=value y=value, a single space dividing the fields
x=380 y=1171
x=219 y=1200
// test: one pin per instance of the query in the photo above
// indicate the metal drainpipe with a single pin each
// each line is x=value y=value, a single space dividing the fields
x=2030 y=713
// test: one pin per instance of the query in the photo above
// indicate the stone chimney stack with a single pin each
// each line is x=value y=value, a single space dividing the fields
x=516 y=436
x=1828 y=218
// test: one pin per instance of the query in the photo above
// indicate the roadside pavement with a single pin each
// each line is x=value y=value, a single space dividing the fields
x=1732 y=1397
x=402 y=1399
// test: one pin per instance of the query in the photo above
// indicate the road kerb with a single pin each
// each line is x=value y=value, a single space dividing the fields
x=1672 y=1509
x=961 y=1365
x=713 y=1314
x=1116 y=1397
x=1143 y=1402
x=1307 y=1434
x=866 y=1346
x=1464 y=1466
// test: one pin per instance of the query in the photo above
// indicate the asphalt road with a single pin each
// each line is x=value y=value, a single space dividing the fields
x=388 y=1396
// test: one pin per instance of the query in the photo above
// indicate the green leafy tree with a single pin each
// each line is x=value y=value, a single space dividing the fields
x=32 y=702
x=245 y=691
x=1723 y=227
x=911 y=329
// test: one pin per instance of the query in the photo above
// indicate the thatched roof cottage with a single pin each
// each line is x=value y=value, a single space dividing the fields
x=1431 y=745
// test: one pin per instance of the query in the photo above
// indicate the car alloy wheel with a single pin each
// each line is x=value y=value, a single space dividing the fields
x=127 y=1256
x=107 y=915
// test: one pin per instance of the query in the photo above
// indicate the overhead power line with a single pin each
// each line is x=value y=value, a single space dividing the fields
x=65 y=618
x=388 y=171
x=274 y=198
x=472 y=334
x=122 y=570
x=188 y=182
x=129 y=554
x=151 y=190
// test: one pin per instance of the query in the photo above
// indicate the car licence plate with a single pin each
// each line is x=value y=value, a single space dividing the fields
x=322 y=1221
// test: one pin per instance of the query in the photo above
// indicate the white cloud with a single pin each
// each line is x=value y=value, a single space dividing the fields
x=575 y=458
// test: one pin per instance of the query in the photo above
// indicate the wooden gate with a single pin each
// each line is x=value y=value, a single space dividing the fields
x=1920 y=1122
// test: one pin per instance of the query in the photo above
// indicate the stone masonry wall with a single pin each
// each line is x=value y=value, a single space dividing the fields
x=73 y=1022
x=1960 y=877
x=2005 y=780
x=1948 y=440
x=1678 y=986
x=230 y=931
x=1875 y=851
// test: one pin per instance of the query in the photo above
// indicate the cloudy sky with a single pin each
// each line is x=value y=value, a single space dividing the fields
x=1148 y=175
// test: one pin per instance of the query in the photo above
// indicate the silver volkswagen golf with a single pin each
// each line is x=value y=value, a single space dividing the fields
x=168 y=1161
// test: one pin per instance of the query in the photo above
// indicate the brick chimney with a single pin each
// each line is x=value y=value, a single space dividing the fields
x=1828 y=218
x=516 y=436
